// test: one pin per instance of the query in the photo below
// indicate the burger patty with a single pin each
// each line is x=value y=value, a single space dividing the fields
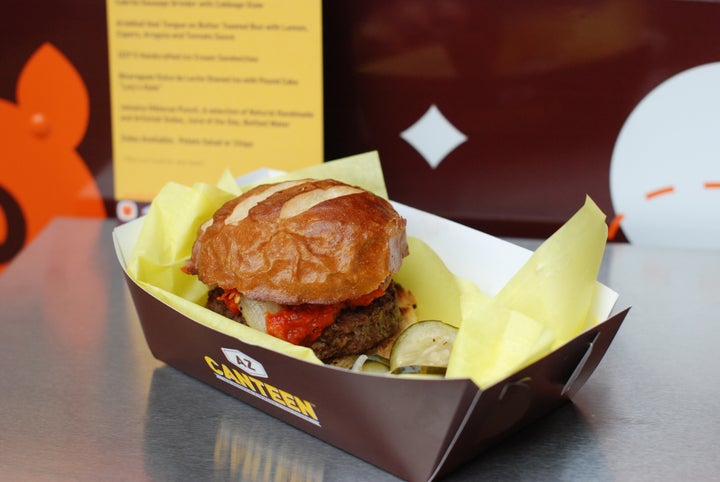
x=358 y=329
x=355 y=330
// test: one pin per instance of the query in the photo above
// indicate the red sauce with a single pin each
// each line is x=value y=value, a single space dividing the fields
x=229 y=297
x=301 y=325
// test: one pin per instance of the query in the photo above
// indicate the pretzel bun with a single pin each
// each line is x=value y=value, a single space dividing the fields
x=296 y=242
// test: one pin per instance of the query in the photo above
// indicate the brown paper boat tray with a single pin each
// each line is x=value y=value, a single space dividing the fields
x=416 y=429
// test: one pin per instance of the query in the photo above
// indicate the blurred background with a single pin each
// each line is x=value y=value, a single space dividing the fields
x=500 y=115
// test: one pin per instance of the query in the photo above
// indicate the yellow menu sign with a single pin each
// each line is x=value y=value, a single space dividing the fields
x=198 y=86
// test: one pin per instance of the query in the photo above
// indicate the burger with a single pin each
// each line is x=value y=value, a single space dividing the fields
x=310 y=262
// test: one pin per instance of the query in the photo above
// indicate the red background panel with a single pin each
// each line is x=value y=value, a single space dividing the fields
x=541 y=90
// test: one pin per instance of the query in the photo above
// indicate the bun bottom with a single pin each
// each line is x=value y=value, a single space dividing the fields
x=356 y=330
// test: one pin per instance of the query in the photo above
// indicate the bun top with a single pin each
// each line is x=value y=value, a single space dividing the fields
x=307 y=241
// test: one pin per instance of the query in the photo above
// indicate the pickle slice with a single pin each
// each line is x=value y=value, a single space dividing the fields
x=423 y=348
x=372 y=364
x=421 y=370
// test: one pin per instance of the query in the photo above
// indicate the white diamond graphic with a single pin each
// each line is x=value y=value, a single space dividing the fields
x=433 y=136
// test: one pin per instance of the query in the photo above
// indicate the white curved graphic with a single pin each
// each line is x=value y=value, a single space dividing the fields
x=665 y=168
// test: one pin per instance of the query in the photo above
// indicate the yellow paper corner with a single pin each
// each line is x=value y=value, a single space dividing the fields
x=557 y=284
x=544 y=305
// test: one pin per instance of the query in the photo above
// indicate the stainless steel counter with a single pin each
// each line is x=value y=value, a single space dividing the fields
x=81 y=397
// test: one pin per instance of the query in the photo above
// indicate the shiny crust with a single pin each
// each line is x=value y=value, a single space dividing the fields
x=334 y=250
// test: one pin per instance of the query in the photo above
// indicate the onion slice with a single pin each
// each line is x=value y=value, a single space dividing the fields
x=254 y=312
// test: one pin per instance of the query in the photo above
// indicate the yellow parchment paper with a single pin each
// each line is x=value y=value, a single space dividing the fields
x=545 y=304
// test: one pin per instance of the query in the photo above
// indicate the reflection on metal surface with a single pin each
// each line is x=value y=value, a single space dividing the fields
x=224 y=439
x=563 y=446
x=262 y=456
x=433 y=136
